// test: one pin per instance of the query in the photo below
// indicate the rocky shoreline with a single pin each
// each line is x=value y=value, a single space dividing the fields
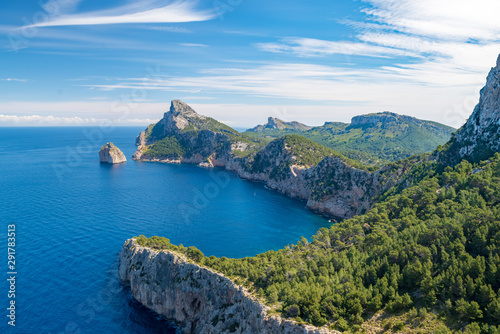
x=198 y=299
x=354 y=196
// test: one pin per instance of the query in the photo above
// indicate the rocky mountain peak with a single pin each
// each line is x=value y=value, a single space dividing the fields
x=274 y=123
x=479 y=137
x=178 y=117
x=178 y=107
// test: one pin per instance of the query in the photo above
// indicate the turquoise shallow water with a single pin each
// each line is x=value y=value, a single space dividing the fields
x=72 y=215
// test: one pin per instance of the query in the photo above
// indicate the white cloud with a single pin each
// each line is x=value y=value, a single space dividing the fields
x=38 y=120
x=194 y=45
x=151 y=11
x=442 y=51
x=309 y=47
x=55 y=7
x=441 y=19
x=167 y=28
x=14 y=79
x=112 y=110
x=347 y=91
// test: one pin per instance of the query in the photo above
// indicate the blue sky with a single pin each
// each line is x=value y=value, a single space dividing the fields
x=81 y=62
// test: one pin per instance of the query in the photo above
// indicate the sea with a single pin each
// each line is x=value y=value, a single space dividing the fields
x=70 y=216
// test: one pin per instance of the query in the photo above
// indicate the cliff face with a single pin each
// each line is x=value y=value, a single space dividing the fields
x=198 y=299
x=111 y=154
x=328 y=184
x=479 y=138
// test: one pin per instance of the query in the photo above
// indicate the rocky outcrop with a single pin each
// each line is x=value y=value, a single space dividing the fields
x=198 y=299
x=202 y=137
x=479 y=137
x=277 y=124
x=111 y=154
x=331 y=187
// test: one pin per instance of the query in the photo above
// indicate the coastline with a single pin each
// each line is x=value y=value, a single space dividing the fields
x=197 y=298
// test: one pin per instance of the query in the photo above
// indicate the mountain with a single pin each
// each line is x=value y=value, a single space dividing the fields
x=479 y=138
x=278 y=124
x=424 y=258
x=373 y=139
x=184 y=135
x=292 y=164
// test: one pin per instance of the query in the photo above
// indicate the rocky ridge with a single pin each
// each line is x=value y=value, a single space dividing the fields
x=277 y=124
x=479 y=137
x=388 y=117
x=197 y=298
x=111 y=154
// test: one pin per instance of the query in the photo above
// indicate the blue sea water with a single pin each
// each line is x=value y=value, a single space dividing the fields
x=73 y=214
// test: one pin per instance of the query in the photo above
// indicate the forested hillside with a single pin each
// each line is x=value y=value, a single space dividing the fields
x=372 y=139
x=433 y=248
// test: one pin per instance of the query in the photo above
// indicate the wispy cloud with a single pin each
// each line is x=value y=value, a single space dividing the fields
x=60 y=6
x=353 y=89
x=296 y=81
x=150 y=11
x=167 y=28
x=14 y=80
x=442 y=19
x=463 y=34
x=310 y=47
x=194 y=45
x=437 y=46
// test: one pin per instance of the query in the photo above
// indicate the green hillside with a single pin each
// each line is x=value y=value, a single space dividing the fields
x=373 y=139
x=425 y=259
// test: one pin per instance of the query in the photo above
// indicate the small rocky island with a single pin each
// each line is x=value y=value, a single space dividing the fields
x=111 y=154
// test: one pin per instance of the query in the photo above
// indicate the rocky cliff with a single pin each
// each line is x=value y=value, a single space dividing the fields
x=183 y=135
x=479 y=138
x=111 y=154
x=328 y=181
x=277 y=124
x=198 y=299
x=296 y=166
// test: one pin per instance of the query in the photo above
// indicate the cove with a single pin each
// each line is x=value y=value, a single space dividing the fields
x=73 y=214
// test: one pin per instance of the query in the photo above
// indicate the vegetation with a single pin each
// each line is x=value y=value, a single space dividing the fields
x=208 y=123
x=393 y=138
x=427 y=257
x=162 y=243
x=297 y=150
x=168 y=147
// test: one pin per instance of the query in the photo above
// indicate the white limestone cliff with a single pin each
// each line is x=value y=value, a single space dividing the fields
x=111 y=154
x=198 y=299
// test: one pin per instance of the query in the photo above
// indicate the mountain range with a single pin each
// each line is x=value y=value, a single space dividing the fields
x=373 y=139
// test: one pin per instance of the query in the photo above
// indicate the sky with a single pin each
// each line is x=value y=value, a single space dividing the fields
x=87 y=62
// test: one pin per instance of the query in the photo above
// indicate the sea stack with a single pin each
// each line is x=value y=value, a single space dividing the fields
x=111 y=154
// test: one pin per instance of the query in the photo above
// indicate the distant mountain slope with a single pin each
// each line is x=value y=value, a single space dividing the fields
x=278 y=124
x=373 y=139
